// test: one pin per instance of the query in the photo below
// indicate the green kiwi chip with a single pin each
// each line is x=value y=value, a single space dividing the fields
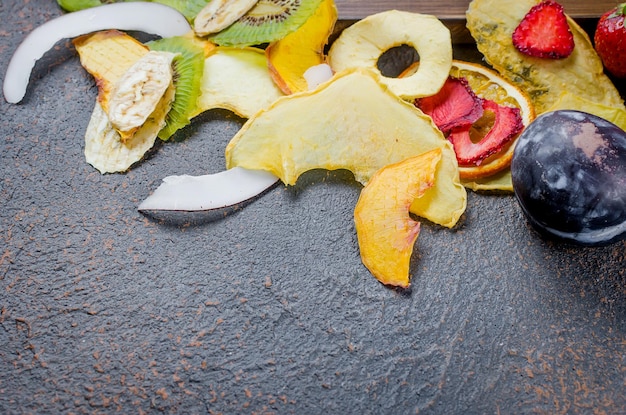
x=188 y=70
x=266 y=22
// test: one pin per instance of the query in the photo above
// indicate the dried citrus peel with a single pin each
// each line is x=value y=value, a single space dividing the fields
x=164 y=21
x=370 y=128
x=385 y=230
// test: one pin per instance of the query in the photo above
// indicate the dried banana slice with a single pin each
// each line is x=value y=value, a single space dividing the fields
x=139 y=90
x=219 y=14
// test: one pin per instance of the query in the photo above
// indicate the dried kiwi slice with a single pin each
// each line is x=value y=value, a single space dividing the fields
x=188 y=68
x=267 y=22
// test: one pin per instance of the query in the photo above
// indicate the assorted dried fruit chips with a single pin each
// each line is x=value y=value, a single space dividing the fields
x=413 y=141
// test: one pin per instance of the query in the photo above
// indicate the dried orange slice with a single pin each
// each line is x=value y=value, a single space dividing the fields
x=488 y=84
x=492 y=173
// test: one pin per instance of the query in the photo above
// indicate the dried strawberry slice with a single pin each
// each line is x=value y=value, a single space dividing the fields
x=507 y=124
x=454 y=106
x=544 y=32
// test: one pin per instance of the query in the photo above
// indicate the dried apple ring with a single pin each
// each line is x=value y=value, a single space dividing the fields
x=362 y=44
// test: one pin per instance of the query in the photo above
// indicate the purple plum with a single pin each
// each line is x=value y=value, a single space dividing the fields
x=569 y=177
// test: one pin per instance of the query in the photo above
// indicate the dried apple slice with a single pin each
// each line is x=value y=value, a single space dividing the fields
x=290 y=57
x=363 y=43
x=237 y=79
x=352 y=122
x=385 y=230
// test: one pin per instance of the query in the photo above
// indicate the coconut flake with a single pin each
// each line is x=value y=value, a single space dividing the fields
x=208 y=192
x=164 y=21
x=317 y=74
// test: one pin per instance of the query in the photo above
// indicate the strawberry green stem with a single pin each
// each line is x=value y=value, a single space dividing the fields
x=620 y=10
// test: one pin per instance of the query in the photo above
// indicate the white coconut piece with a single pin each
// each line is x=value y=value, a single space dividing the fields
x=208 y=192
x=164 y=21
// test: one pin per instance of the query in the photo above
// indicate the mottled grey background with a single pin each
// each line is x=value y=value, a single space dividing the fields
x=270 y=310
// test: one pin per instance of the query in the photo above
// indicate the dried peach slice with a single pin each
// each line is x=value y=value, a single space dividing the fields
x=385 y=230
x=352 y=122
x=290 y=57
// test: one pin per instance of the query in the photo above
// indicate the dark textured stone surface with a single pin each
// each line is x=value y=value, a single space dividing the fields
x=270 y=310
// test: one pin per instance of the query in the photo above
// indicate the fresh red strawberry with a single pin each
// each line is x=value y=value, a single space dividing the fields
x=544 y=32
x=610 y=41
x=507 y=124
x=455 y=105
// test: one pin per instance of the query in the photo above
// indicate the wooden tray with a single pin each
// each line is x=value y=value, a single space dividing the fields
x=357 y=9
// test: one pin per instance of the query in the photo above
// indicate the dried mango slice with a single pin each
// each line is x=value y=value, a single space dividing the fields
x=385 y=230
x=107 y=55
x=237 y=79
x=352 y=122
x=291 y=56
x=492 y=22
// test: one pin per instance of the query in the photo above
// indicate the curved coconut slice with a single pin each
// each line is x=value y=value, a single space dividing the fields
x=237 y=80
x=362 y=44
x=352 y=122
x=164 y=21
x=290 y=57
x=208 y=192
x=318 y=74
x=385 y=230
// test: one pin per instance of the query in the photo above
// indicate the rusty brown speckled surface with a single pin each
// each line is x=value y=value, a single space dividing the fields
x=270 y=310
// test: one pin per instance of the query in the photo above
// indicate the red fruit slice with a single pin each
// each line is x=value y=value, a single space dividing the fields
x=454 y=106
x=544 y=32
x=507 y=124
